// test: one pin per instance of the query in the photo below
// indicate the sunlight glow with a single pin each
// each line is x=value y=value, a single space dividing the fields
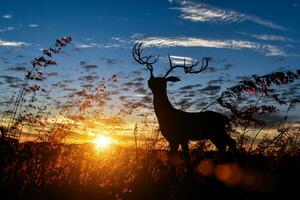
x=102 y=141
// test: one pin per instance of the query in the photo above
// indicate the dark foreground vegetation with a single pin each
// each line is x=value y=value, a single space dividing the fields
x=43 y=171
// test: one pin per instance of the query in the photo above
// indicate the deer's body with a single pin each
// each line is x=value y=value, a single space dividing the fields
x=177 y=126
x=182 y=127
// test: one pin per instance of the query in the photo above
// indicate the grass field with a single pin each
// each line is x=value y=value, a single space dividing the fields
x=45 y=171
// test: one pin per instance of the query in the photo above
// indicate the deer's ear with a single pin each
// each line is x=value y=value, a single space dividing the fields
x=172 y=79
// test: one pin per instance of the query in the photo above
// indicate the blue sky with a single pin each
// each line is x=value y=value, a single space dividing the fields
x=243 y=37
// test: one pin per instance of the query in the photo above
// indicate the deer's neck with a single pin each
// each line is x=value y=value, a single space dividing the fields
x=162 y=105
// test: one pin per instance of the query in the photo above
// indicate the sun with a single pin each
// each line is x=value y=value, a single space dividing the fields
x=102 y=141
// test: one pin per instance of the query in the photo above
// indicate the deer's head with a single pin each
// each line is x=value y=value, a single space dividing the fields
x=157 y=84
x=160 y=83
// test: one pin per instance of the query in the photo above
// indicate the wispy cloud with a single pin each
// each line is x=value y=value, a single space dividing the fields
x=178 y=60
x=12 y=43
x=84 y=46
x=269 y=50
x=269 y=37
x=96 y=45
x=200 y=12
x=33 y=25
x=7 y=16
x=6 y=29
x=116 y=43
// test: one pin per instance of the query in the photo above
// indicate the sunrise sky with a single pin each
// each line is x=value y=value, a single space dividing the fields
x=243 y=38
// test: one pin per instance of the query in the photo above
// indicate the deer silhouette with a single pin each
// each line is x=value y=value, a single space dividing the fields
x=178 y=127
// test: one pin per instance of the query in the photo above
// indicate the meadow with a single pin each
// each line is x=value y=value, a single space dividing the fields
x=74 y=171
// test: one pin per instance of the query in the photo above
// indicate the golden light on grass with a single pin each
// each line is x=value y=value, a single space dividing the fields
x=102 y=141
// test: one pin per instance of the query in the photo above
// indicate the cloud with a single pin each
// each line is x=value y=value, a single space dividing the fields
x=190 y=87
x=184 y=102
x=11 y=79
x=18 y=69
x=269 y=50
x=111 y=61
x=52 y=74
x=210 y=89
x=12 y=43
x=82 y=63
x=269 y=37
x=7 y=16
x=116 y=42
x=274 y=120
x=272 y=38
x=89 y=67
x=138 y=36
x=88 y=78
x=221 y=80
x=84 y=46
x=98 y=45
x=133 y=85
x=6 y=29
x=140 y=91
x=135 y=73
x=33 y=25
x=179 y=60
x=138 y=79
x=87 y=86
x=200 y=12
x=272 y=50
x=218 y=69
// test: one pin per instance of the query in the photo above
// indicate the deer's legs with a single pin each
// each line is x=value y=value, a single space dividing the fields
x=173 y=151
x=186 y=152
x=220 y=144
x=187 y=157
x=231 y=143
x=172 y=158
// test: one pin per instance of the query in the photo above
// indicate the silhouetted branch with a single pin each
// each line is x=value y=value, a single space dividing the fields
x=259 y=84
x=36 y=74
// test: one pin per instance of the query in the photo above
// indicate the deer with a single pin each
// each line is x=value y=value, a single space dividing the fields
x=179 y=127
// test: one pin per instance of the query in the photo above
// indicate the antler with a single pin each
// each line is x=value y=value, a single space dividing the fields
x=143 y=60
x=190 y=68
